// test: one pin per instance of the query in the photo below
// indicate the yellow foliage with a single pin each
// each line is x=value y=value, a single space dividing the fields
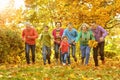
x=1 y=76
x=72 y=76
x=46 y=78
x=84 y=78
x=18 y=58
x=92 y=43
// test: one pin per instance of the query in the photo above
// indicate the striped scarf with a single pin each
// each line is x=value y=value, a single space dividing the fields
x=85 y=38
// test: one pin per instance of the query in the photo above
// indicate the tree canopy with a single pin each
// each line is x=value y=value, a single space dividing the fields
x=41 y=12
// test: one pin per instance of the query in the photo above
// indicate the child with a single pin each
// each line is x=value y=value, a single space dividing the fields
x=64 y=46
x=46 y=45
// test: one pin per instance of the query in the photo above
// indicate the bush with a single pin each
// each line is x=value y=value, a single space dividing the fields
x=10 y=46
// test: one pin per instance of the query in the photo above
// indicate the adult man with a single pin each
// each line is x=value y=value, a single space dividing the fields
x=72 y=34
x=29 y=34
x=99 y=33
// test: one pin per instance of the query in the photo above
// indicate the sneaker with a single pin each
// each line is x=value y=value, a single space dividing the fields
x=69 y=64
x=86 y=64
x=64 y=64
x=44 y=63
x=96 y=68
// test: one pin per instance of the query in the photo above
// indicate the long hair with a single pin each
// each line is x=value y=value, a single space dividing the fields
x=84 y=25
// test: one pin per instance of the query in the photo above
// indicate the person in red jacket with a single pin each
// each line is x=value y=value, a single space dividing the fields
x=29 y=34
x=64 y=47
x=57 y=34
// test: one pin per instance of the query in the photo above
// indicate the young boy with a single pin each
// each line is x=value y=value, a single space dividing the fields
x=64 y=47
x=46 y=44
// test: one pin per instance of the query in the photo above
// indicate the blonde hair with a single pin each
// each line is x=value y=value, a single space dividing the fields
x=84 y=25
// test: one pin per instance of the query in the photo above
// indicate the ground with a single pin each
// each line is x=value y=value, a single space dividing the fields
x=109 y=71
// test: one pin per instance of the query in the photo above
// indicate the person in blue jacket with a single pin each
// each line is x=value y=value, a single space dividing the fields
x=72 y=34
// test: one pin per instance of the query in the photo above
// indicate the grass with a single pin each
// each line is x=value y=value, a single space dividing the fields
x=38 y=71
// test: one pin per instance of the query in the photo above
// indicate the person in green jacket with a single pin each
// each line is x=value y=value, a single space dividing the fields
x=84 y=36
x=45 y=39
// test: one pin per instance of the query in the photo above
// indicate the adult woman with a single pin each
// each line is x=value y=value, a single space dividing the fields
x=57 y=35
x=84 y=36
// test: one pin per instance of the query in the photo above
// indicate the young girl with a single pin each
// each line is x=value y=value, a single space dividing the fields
x=46 y=44
x=64 y=47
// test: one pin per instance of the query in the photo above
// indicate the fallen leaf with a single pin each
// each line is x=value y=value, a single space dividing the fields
x=46 y=78
x=72 y=76
x=1 y=76
x=84 y=78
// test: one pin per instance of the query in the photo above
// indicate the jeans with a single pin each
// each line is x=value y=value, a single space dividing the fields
x=98 y=49
x=57 y=53
x=85 y=50
x=73 y=47
x=64 y=57
x=46 y=52
x=27 y=52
